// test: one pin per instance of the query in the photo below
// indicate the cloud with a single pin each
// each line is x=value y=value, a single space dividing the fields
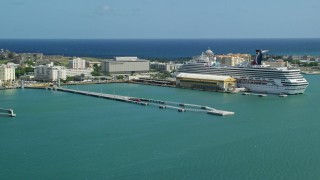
x=17 y=3
x=104 y=9
x=98 y=12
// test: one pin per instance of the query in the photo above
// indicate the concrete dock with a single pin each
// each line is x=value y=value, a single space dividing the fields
x=254 y=94
x=180 y=107
x=7 y=112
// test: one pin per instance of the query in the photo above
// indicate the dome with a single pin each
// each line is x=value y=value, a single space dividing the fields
x=209 y=52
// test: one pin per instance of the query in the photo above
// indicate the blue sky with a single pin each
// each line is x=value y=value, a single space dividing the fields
x=152 y=19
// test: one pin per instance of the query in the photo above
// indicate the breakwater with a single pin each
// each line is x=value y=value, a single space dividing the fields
x=7 y=112
x=181 y=107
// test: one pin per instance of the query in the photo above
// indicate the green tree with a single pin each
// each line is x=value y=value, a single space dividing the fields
x=96 y=67
x=29 y=69
x=29 y=62
x=120 y=77
x=10 y=55
x=69 y=78
x=96 y=70
x=95 y=73
x=20 y=71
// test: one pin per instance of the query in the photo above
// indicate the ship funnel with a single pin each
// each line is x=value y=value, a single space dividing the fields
x=258 y=59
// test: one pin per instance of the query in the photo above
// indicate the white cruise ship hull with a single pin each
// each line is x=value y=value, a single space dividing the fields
x=273 y=89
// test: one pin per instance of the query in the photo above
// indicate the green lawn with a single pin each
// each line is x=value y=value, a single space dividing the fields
x=4 y=61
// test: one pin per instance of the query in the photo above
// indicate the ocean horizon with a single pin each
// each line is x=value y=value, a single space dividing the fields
x=161 y=48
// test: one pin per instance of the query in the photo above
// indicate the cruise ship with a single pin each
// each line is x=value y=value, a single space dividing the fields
x=254 y=77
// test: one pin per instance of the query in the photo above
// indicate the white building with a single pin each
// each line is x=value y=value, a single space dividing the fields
x=7 y=73
x=77 y=63
x=125 y=65
x=49 y=73
x=79 y=72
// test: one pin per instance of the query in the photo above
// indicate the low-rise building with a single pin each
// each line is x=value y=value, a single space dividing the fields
x=49 y=73
x=233 y=59
x=79 y=72
x=28 y=77
x=125 y=65
x=206 y=82
x=297 y=57
x=23 y=57
x=169 y=67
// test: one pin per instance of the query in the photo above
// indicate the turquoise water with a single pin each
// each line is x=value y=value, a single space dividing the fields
x=58 y=135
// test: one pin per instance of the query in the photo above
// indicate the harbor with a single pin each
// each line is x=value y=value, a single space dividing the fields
x=63 y=129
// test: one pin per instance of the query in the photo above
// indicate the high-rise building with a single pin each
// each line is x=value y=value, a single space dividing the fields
x=7 y=73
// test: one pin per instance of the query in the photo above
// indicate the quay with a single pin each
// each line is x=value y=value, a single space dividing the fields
x=181 y=107
x=7 y=112
x=93 y=82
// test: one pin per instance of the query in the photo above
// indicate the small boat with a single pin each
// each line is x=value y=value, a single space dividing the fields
x=282 y=95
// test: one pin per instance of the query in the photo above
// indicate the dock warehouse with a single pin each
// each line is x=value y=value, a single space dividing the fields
x=206 y=82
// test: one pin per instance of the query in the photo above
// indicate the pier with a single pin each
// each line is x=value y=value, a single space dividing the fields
x=254 y=94
x=7 y=112
x=180 y=107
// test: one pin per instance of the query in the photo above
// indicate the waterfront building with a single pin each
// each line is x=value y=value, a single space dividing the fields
x=7 y=73
x=77 y=63
x=206 y=82
x=49 y=73
x=125 y=65
x=169 y=67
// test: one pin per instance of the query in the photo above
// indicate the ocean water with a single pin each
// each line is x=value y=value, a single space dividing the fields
x=58 y=135
x=165 y=48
